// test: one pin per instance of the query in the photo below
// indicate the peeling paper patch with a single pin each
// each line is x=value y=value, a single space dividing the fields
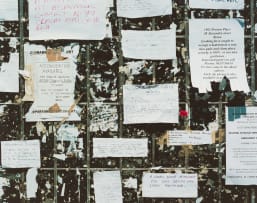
x=54 y=55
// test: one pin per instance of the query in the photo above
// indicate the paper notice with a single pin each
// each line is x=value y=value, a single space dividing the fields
x=155 y=45
x=150 y=103
x=143 y=8
x=217 y=50
x=217 y=4
x=66 y=19
x=107 y=185
x=120 y=147
x=167 y=185
x=9 y=10
x=20 y=154
x=9 y=74
x=241 y=145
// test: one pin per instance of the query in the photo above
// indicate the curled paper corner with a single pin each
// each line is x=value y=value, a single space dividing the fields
x=240 y=22
x=25 y=74
x=199 y=200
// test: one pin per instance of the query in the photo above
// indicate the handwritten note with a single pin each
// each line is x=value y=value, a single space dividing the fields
x=150 y=103
x=20 y=154
x=120 y=147
x=107 y=185
x=9 y=75
x=143 y=8
x=103 y=117
x=67 y=19
x=9 y=10
x=196 y=137
x=155 y=45
x=217 y=4
x=169 y=185
x=216 y=50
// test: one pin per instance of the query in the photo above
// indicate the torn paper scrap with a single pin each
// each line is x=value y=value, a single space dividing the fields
x=31 y=182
